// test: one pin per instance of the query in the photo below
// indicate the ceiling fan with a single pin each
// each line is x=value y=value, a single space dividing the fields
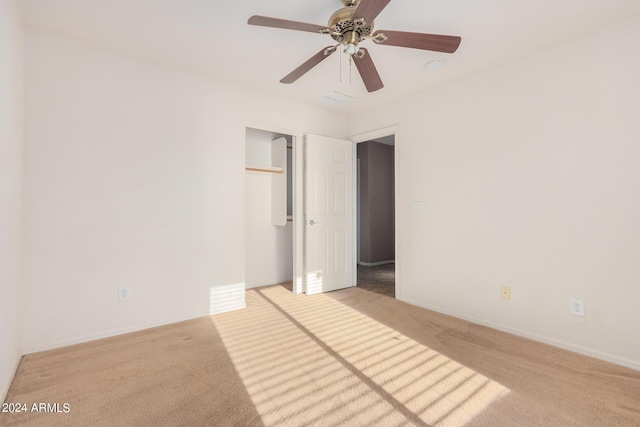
x=351 y=25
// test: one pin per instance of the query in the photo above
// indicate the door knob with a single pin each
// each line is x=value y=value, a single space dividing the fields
x=311 y=222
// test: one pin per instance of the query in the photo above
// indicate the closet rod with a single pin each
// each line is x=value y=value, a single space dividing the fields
x=257 y=169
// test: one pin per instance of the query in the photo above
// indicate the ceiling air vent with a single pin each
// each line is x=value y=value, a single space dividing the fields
x=335 y=98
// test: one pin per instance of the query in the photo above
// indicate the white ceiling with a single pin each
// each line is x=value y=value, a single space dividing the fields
x=212 y=38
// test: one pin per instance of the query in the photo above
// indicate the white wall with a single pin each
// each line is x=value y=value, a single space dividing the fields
x=11 y=142
x=134 y=177
x=268 y=248
x=529 y=172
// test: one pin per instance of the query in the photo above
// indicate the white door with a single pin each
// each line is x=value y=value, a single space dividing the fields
x=328 y=200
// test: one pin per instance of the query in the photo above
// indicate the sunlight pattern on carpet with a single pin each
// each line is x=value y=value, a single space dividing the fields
x=314 y=361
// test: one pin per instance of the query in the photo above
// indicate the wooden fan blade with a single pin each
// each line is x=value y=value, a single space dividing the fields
x=368 y=72
x=369 y=10
x=435 y=42
x=308 y=65
x=265 y=21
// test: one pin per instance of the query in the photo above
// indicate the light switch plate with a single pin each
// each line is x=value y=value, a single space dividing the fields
x=417 y=207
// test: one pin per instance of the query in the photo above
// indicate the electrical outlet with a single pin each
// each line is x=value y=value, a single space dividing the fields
x=577 y=307
x=123 y=293
x=505 y=292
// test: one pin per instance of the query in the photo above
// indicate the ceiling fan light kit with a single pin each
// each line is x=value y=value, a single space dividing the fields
x=350 y=26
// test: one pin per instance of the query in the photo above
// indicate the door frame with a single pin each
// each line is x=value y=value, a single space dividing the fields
x=364 y=137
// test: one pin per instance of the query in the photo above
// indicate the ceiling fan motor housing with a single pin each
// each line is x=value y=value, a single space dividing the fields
x=344 y=30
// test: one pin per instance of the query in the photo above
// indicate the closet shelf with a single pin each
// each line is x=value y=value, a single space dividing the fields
x=271 y=169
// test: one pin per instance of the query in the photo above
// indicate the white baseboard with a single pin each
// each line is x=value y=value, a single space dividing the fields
x=115 y=332
x=5 y=387
x=222 y=299
x=373 y=264
x=556 y=343
x=100 y=335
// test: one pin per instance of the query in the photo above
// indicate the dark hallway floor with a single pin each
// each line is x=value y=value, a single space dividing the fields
x=380 y=279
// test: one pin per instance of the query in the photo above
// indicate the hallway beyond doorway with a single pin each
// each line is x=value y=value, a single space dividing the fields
x=380 y=279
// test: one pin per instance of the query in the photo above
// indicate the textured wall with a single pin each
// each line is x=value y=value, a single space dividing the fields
x=11 y=148
x=529 y=175
x=135 y=177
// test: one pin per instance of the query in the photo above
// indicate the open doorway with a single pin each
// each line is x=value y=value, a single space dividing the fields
x=376 y=215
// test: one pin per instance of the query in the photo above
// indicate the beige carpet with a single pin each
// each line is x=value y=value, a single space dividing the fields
x=350 y=357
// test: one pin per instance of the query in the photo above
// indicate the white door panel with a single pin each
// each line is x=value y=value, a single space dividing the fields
x=329 y=214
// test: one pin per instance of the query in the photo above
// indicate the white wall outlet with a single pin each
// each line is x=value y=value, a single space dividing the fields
x=577 y=307
x=505 y=292
x=123 y=293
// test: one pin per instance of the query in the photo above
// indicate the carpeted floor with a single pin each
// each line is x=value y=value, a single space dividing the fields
x=345 y=358
x=380 y=279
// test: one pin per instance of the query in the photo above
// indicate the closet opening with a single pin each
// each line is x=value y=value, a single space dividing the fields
x=268 y=209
